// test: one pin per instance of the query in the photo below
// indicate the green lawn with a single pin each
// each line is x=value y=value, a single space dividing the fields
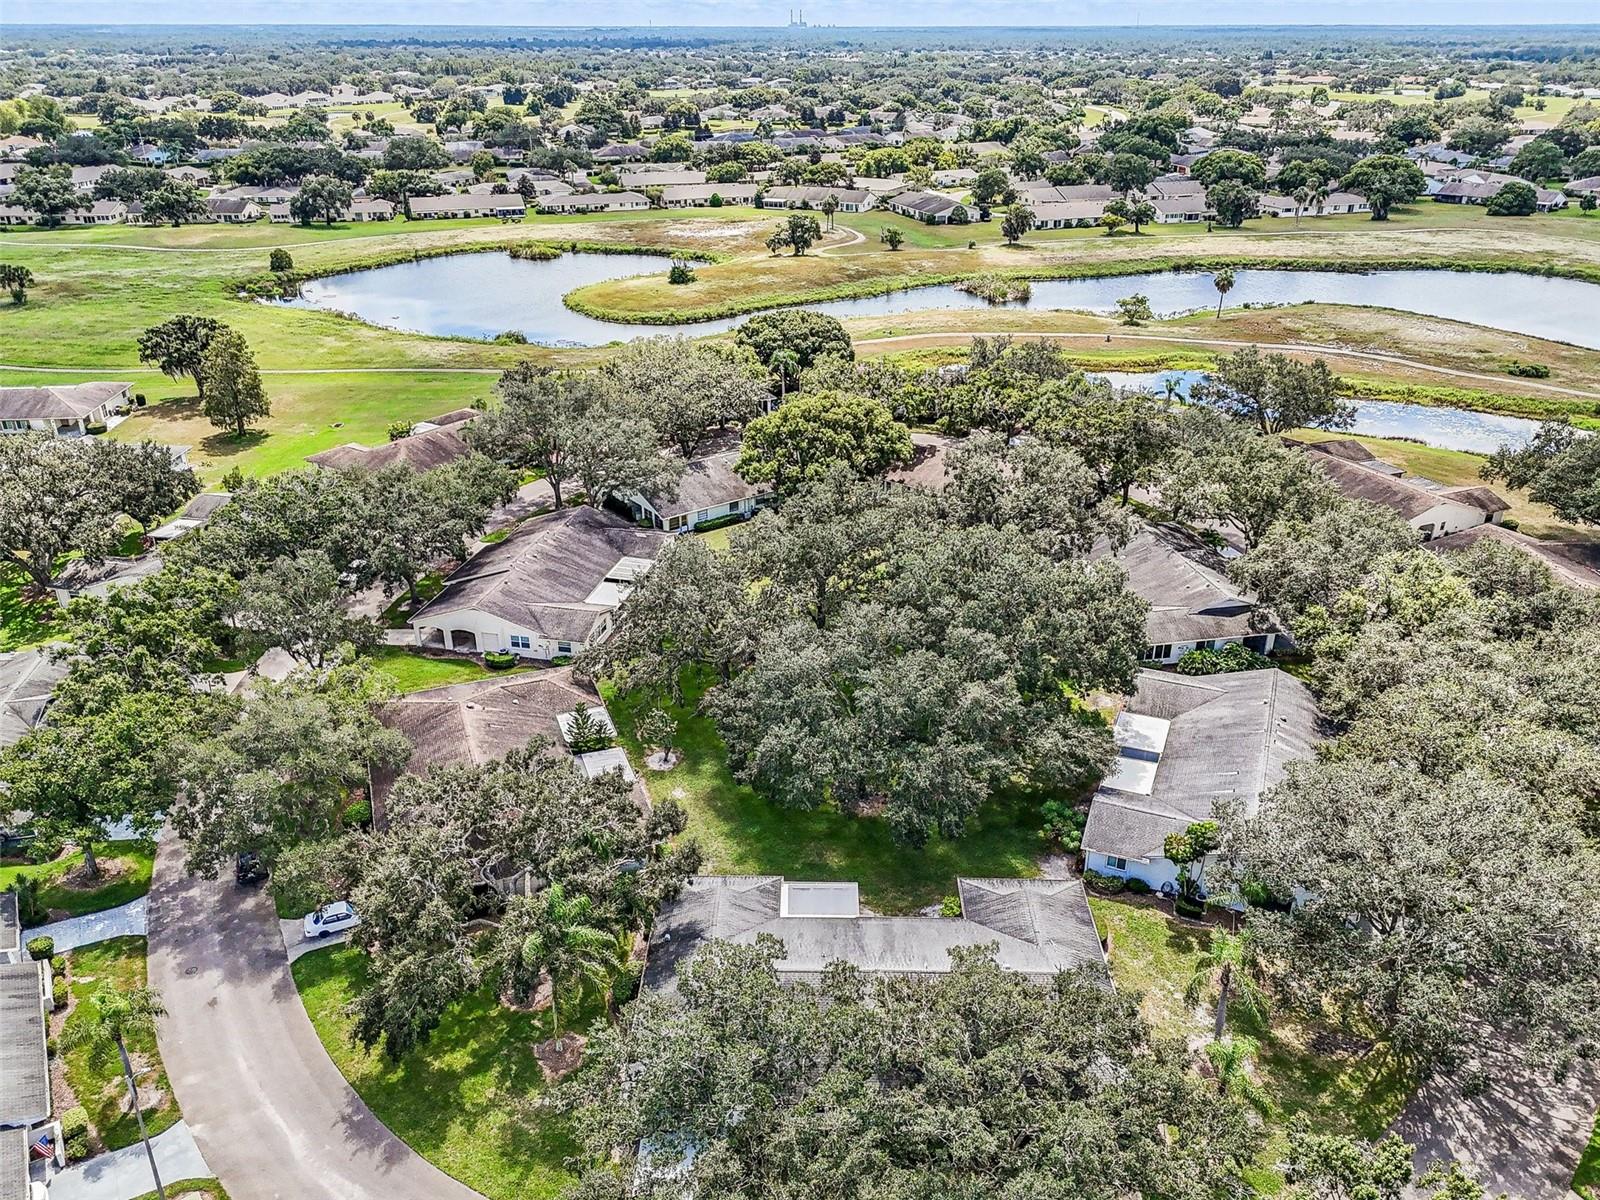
x=26 y=618
x=742 y=834
x=1340 y=1091
x=1586 y=1182
x=415 y=672
x=449 y=1100
x=119 y=963
x=133 y=859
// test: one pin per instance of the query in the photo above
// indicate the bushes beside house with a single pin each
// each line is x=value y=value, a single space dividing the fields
x=1233 y=657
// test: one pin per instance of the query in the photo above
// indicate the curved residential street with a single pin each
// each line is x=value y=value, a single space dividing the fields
x=271 y=1113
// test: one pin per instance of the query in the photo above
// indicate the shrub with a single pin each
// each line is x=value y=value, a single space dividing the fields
x=680 y=272
x=1510 y=523
x=950 y=906
x=499 y=660
x=1528 y=370
x=58 y=992
x=58 y=965
x=721 y=522
x=1063 y=825
x=1185 y=907
x=561 y=660
x=1106 y=885
x=626 y=985
x=398 y=430
x=30 y=909
x=138 y=399
x=1233 y=657
x=358 y=814
x=1138 y=886
x=511 y=337
x=280 y=261
x=75 y=1132
x=41 y=947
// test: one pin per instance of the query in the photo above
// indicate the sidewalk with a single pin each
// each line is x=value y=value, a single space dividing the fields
x=127 y=921
x=124 y=1174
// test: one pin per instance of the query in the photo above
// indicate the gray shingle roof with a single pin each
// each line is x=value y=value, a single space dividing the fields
x=10 y=924
x=24 y=1067
x=706 y=483
x=64 y=401
x=1039 y=926
x=420 y=451
x=26 y=681
x=1230 y=736
x=541 y=577
x=1403 y=496
x=1185 y=582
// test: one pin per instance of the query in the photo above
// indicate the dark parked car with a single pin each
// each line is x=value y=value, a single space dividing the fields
x=249 y=868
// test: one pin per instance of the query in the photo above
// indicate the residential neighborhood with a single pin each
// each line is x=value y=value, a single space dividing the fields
x=799 y=603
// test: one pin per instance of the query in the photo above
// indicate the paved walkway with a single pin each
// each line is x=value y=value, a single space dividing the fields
x=127 y=921
x=124 y=1174
x=1522 y=1136
x=268 y=1108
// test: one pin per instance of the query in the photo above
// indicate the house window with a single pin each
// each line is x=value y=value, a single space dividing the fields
x=563 y=647
x=1115 y=863
x=521 y=641
x=1158 y=653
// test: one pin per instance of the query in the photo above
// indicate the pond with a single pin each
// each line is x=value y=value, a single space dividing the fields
x=484 y=293
x=1447 y=428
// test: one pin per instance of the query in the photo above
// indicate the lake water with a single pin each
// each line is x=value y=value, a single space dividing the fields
x=1448 y=428
x=484 y=293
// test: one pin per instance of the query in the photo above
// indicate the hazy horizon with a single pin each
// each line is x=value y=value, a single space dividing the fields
x=770 y=14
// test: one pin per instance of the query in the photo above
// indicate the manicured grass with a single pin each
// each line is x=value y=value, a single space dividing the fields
x=451 y=1100
x=1586 y=1182
x=119 y=964
x=133 y=859
x=26 y=618
x=742 y=834
x=413 y=672
x=1340 y=1091
x=190 y=1189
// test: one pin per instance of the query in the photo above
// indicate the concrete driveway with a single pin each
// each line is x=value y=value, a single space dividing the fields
x=267 y=1107
x=124 y=1174
x=126 y=921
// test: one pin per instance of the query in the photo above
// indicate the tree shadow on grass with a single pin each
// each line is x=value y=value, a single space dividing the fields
x=227 y=444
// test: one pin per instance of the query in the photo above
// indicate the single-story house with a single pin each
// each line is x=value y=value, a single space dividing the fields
x=232 y=210
x=101 y=212
x=1068 y=214
x=1587 y=186
x=82 y=578
x=421 y=450
x=1336 y=203
x=471 y=724
x=362 y=209
x=25 y=1081
x=929 y=465
x=196 y=513
x=1192 y=604
x=1174 y=188
x=586 y=202
x=1483 y=190
x=849 y=199
x=1575 y=564
x=931 y=208
x=709 y=490
x=85 y=178
x=621 y=152
x=1184 y=743
x=1039 y=927
x=64 y=409
x=509 y=207
x=198 y=176
x=1180 y=210
x=1432 y=509
x=643 y=178
x=27 y=678
x=700 y=195
x=547 y=591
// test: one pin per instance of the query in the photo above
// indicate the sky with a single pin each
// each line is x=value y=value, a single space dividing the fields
x=768 y=13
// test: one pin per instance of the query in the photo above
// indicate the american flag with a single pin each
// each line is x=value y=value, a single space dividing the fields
x=43 y=1146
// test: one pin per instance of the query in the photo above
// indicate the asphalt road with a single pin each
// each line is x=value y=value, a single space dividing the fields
x=269 y=1110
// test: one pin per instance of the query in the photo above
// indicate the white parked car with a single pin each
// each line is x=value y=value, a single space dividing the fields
x=337 y=917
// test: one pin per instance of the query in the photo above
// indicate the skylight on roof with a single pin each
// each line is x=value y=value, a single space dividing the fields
x=820 y=900
x=1139 y=736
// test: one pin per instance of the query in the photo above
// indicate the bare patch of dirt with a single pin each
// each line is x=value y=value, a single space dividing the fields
x=109 y=871
x=561 y=1056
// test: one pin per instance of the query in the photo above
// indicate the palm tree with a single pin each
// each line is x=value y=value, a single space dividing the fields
x=562 y=943
x=1223 y=281
x=1302 y=197
x=104 y=1023
x=1226 y=965
x=785 y=364
x=830 y=205
x=1231 y=1059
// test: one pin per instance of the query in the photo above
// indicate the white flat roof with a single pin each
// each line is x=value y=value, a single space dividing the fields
x=1136 y=775
x=597 y=762
x=1141 y=736
x=820 y=900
